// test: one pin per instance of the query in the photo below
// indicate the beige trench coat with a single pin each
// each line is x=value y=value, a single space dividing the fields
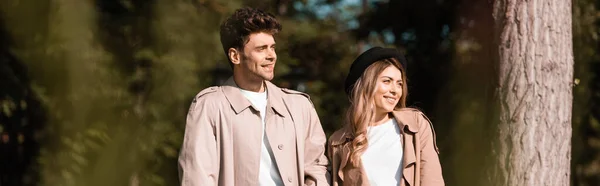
x=421 y=165
x=222 y=138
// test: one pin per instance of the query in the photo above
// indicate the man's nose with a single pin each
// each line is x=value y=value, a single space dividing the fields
x=271 y=54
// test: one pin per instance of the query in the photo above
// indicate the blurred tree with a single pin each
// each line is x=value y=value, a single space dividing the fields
x=87 y=101
x=465 y=113
x=21 y=118
x=33 y=47
x=586 y=94
x=535 y=58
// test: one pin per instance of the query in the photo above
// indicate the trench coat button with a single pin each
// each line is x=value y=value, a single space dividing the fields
x=280 y=146
x=290 y=179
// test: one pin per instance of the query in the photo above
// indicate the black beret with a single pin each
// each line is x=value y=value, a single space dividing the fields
x=367 y=58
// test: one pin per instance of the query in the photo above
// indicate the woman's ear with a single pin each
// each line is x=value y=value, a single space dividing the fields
x=234 y=56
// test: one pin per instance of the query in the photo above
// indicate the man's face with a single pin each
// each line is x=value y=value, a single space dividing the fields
x=257 y=61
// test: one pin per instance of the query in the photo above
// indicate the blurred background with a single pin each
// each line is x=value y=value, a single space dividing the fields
x=96 y=92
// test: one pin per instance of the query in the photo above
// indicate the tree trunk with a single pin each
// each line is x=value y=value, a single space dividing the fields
x=535 y=59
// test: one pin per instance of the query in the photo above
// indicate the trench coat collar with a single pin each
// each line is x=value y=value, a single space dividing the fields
x=239 y=103
x=406 y=118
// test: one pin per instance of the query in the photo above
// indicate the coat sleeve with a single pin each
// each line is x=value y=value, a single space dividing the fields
x=315 y=161
x=431 y=169
x=198 y=157
x=332 y=168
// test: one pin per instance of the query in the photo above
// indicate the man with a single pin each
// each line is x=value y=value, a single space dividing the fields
x=249 y=131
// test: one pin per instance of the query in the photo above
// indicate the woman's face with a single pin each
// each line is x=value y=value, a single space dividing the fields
x=388 y=90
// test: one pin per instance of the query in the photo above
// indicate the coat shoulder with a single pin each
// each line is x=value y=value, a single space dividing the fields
x=211 y=96
x=415 y=114
x=204 y=98
x=409 y=111
x=297 y=95
x=207 y=91
x=409 y=117
x=340 y=137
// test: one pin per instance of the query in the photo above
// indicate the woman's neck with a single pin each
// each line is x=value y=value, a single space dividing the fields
x=380 y=119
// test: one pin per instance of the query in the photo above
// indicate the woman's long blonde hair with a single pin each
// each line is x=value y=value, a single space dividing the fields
x=362 y=104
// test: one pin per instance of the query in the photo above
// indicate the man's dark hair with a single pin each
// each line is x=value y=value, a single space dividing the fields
x=235 y=31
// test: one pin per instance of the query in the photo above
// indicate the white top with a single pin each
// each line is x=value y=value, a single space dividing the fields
x=268 y=174
x=382 y=160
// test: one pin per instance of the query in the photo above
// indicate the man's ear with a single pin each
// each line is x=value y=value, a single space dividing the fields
x=234 y=56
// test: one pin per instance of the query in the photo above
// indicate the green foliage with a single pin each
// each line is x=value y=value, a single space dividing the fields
x=116 y=89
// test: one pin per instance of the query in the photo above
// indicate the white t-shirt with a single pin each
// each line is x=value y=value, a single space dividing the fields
x=268 y=174
x=382 y=160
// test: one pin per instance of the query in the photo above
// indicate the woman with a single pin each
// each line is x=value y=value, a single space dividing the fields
x=383 y=142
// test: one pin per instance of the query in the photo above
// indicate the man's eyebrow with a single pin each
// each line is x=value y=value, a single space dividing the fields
x=263 y=46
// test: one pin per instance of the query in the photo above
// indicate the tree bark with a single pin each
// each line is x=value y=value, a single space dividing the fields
x=535 y=60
